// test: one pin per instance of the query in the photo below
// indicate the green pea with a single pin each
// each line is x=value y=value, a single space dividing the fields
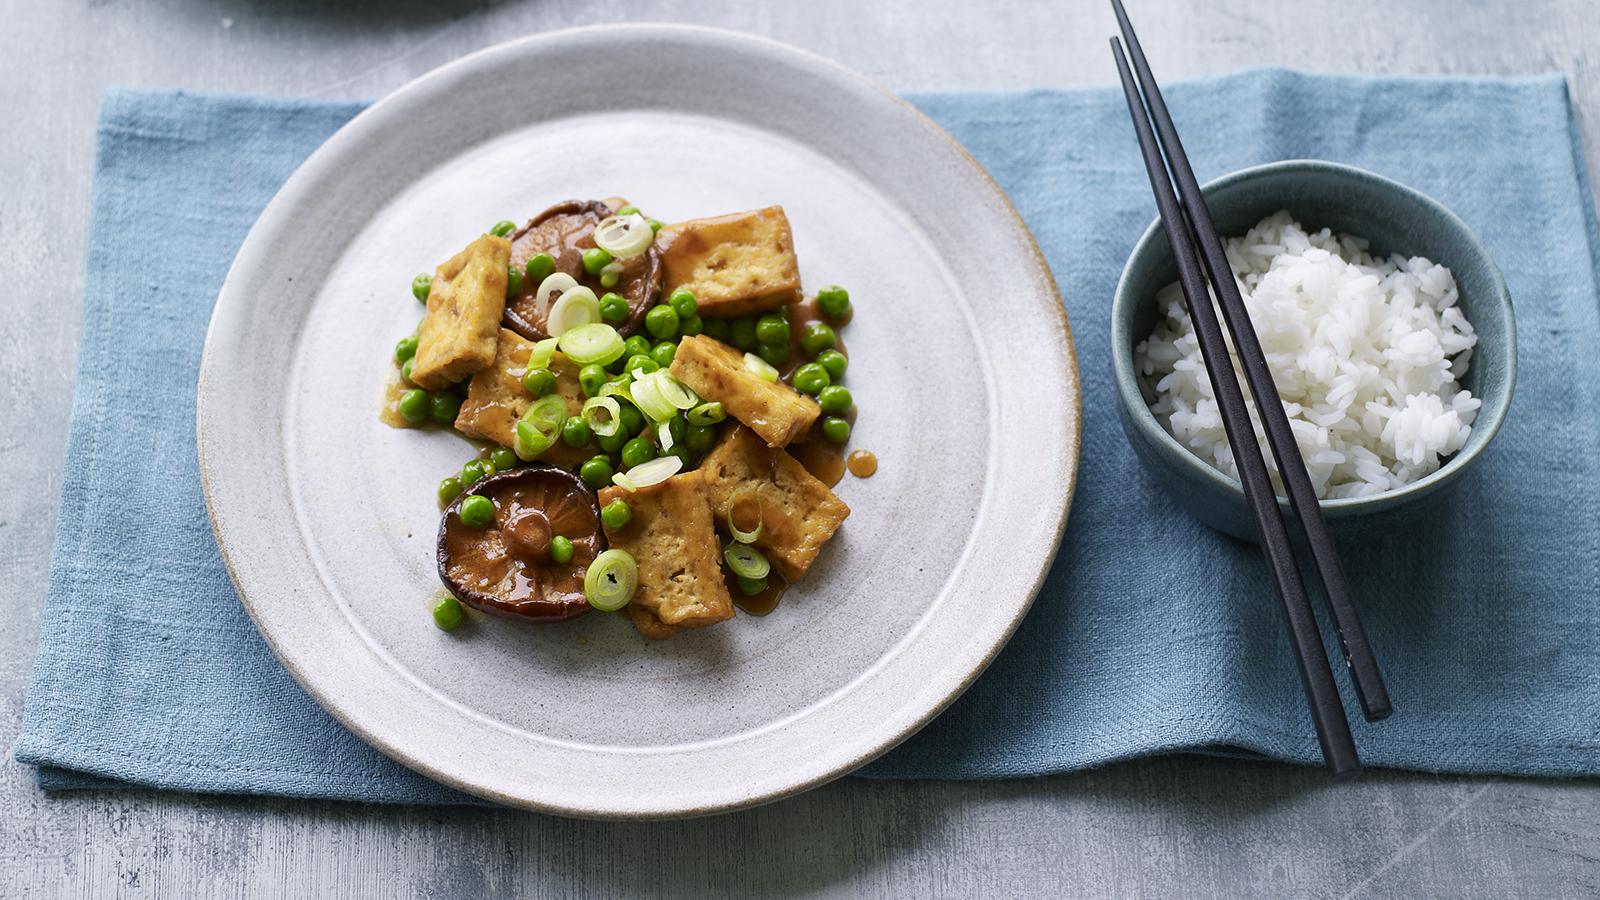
x=449 y=489
x=503 y=459
x=560 y=550
x=632 y=419
x=638 y=345
x=639 y=450
x=476 y=512
x=617 y=514
x=595 y=259
x=643 y=364
x=540 y=266
x=575 y=431
x=414 y=406
x=683 y=303
x=663 y=353
x=775 y=354
x=596 y=472
x=443 y=407
x=742 y=333
x=717 y=328
x=699 y=438
x=678 y=427
x=819 y=336
x=752 y=586
x=628 y=210
x=655 y=225
x=682 y=452
x=772 y=329
x=810 y=378
x=835 y=398
x=614 y=442
x=613 y=307
x=503 y=228
x=661 y=321
x=836 y=429
x=609 y=279
x=833 y=300
x=592 y=378
x=538 y=382
x=420 y=286
x=405 y=371
x=405 y=348
x=448 y=614
x=474 y=470
x=834 y=361
x=513 y=281
x=691 y=326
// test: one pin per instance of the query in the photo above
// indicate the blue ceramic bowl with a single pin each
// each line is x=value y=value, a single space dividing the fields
x=1395 y=219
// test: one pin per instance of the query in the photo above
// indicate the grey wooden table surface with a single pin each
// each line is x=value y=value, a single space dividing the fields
x=1161 y=827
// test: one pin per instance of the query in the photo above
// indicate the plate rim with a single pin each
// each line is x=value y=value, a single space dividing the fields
x=1049 y=296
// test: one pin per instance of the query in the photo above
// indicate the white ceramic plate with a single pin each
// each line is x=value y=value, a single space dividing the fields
x=961 y=364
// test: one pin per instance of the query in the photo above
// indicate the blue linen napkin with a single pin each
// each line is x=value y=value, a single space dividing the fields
x=1151 y=634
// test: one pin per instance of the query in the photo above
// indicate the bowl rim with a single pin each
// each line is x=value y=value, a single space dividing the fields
x=1490 y=416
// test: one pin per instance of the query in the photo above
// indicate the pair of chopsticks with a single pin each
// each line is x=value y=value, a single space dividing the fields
x=1186 y=221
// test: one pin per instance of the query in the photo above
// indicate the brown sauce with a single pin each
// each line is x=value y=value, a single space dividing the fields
x=822 y=458
x=389 y=412
x=757 y=604
x=862 y=464
x=801 y=314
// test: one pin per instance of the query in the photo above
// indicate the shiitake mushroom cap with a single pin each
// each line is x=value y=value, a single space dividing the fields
x=564 y=231
x=505 y=569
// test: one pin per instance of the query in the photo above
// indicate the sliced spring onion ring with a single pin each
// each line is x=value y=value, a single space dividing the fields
x=739 y=534
x=746 y=561
x=603 y=415
x=760 y=367
x=664 y=435
x=707 y=414
x=539 y=357
x=624 y=237
x=553 y=284
x=646 y=474
x=575 y=307
x=649 y=394
x=538 y=428
x=611 y=580
x=622 y=387
x=611 y=272
x=595 y=342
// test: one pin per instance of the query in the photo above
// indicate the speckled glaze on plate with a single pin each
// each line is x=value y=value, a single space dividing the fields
x=326 y=518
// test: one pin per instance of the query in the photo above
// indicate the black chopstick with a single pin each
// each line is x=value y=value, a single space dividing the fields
x=1364 y=673
x=1322 y=695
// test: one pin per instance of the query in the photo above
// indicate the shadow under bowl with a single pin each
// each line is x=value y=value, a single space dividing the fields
x=1394 y=219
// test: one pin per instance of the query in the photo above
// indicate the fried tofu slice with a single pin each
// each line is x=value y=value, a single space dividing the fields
x=798 y=512
x=716 y=371
x=458 y=333
x=496 y=398
x=671 y=538
x=734 y=264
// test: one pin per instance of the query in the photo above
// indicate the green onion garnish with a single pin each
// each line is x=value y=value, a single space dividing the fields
x=760 y=367
x=739 y=534
x=746 y=561
x=707 y=414
x=603 y=415
x=595 y=343
x=611 y=580
x=538 y=428
x=542 y=353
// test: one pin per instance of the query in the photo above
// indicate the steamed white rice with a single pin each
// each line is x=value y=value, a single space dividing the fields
x=1367 y=354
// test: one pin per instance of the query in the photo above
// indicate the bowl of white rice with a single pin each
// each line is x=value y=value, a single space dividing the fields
x=1386 y=325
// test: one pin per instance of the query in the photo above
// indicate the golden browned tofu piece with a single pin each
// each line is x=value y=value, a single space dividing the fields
x=495 y=398
x=716 y=371
x=671 y=538
x=457 y=337
x=798 y=512
x=734 y=264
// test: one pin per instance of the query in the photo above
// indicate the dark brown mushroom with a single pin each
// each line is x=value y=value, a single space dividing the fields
x=564 y=231
x=506 y=568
